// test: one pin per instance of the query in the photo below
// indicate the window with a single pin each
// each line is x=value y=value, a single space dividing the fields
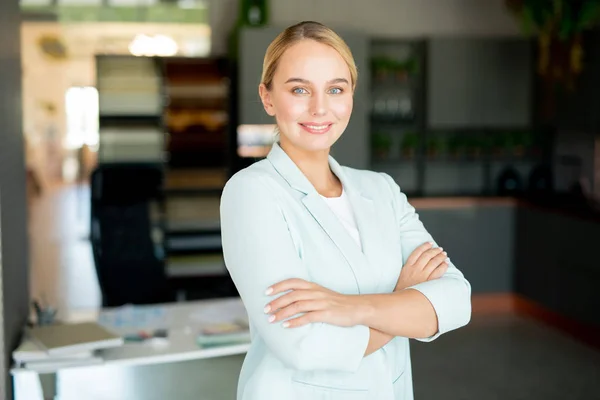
x=82 y=117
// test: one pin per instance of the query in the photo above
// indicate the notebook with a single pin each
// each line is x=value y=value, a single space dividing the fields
x=223 y=334
x=61 y=339
x=29 y=351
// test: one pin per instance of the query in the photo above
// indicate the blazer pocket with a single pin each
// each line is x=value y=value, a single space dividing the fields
x=399 y=387
x=309 y=391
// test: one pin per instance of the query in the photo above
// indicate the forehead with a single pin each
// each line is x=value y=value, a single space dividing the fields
x=311 y=60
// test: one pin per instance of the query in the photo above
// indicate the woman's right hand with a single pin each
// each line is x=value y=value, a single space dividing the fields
x=424 y=264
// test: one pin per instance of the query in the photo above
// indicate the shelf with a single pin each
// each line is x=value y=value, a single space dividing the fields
x=129 y=120
x=393 y=162
x=394 y=121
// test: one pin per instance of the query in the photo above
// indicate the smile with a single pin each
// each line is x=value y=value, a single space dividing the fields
x=316 y=128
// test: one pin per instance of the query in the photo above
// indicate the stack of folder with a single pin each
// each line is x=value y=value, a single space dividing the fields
x=62 y=345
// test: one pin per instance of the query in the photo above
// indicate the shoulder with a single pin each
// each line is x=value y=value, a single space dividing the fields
x=255 y=180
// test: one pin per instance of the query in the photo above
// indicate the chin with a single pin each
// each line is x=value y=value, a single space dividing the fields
x=315 y=143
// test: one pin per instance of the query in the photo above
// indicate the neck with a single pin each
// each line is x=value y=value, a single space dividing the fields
x=315 y=166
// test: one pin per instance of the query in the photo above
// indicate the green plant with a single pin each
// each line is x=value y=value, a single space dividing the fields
x=558 y=24
x=435 y=145
x=410 y=141
x=381 y=65
x=381 y=144
x=381 y=141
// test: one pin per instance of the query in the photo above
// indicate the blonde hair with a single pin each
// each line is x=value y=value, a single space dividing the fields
x=301 y=31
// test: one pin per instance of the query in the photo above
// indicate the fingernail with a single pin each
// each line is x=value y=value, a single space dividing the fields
x=441 y=248
x=285 y=324
x=447 y=260
x=445 y=253
x=267 y=309
x=271 y=318
x=269 y=291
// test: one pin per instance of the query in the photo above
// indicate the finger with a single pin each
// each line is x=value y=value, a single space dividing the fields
x=427 y=256
x=304 y=306
x=288 y=284
x=316 y=316
x=438 y=272
x=435 y=262
x=414 y=256
x=291 y=297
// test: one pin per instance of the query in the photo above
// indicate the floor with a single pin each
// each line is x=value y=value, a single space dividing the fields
x=497 y=356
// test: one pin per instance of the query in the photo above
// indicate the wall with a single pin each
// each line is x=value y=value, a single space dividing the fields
x=381 y=18
x=14 y=295
x=402 y=17
x=475 y=82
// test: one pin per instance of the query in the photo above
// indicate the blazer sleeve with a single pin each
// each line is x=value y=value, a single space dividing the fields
x=259 y=251
x=450 y=295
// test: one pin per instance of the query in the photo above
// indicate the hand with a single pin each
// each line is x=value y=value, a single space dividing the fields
x=424 y=264
x=318 y=304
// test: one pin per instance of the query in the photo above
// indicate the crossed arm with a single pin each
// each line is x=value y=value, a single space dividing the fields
x=335 y=331
x=405 y=313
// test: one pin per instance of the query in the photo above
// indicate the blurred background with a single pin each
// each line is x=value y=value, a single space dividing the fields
x=123 y=119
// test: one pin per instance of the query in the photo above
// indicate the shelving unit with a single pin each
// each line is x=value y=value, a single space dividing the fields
x=439 y=146
x=130 y=109
x=197 y=112
x=398 y=113
x=174 y=113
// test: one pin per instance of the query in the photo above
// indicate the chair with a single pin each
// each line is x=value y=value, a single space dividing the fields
x=127 y=245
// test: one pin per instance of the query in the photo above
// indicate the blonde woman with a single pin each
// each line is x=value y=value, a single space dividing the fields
x=333 y=265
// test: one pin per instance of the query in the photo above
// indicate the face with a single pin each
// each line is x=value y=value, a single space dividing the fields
x=310 y=97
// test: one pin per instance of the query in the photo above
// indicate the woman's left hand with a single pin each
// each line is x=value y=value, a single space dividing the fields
x=318 y=304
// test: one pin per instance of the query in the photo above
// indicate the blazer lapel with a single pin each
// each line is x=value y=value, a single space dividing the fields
x=366 y=220
x=362 y=207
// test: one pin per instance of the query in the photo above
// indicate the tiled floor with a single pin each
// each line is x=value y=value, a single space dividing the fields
x=502 y=357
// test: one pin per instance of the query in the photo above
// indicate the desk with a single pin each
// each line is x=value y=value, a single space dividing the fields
x=183 y=320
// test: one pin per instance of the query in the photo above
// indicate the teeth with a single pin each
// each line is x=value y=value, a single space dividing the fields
x=318 y=128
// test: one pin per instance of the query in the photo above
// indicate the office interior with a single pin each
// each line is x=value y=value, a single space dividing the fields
x=129 y=116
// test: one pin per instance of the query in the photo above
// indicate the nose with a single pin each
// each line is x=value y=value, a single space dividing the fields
x=318 y=105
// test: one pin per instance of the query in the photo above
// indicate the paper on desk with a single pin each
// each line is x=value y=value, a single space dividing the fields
x=133 y=318
x=222 y=312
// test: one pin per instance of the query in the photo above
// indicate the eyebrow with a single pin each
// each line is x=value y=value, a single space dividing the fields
x=307 y=82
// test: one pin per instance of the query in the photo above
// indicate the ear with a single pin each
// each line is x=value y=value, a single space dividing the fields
x=265 y=97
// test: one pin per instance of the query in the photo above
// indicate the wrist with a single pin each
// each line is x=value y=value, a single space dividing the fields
x=365 y=309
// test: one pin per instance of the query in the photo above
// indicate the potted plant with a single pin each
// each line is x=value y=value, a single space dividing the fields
x=381 y=144
x=409 y=144
x=434 y=147
x=558 y=25
x=381 y=66
x=456 y=147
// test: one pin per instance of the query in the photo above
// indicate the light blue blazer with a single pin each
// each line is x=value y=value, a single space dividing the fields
x=275 y=226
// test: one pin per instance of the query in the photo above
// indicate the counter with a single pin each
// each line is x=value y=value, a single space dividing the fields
x=542 y=250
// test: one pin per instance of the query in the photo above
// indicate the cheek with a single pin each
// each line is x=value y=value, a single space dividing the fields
x=343 y=108
x=290 y=109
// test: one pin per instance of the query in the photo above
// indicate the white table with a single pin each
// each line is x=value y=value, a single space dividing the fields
x=182 y=320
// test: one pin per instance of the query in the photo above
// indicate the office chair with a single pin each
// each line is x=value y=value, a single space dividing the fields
x=128 y=252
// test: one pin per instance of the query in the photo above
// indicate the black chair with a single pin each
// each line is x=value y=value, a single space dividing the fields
x=127 y=244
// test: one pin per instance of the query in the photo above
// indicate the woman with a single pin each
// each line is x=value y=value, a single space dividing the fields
x=333 y=265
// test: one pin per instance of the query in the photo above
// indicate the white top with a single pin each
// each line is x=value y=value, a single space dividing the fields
x=342 y=208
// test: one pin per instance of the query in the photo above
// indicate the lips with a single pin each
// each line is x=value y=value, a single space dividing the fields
x=316 y=128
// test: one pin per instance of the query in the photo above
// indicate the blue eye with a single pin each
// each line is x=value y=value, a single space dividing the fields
x=299 y=91
x=335 y=91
